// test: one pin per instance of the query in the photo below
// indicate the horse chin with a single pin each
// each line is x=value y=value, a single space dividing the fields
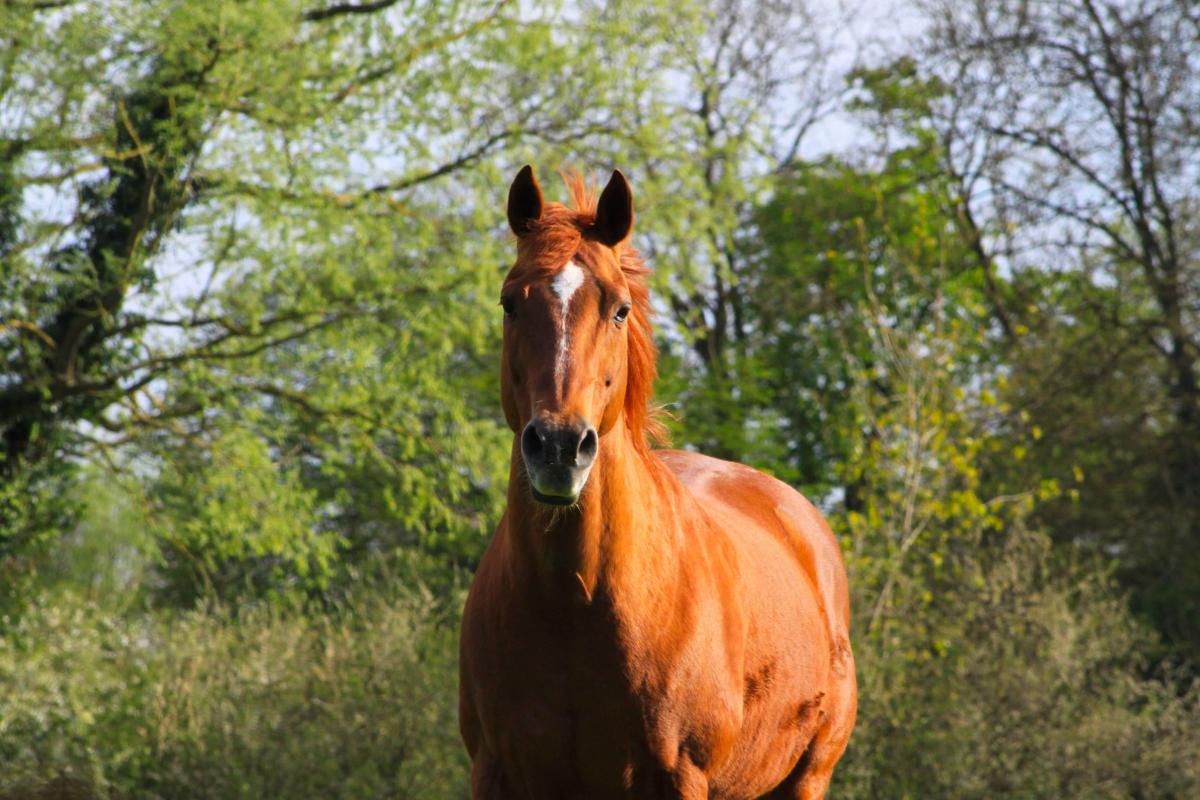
x=553 y=500
x=558 y=486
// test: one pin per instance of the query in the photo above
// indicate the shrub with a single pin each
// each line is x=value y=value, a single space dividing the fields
x=358 y=702
x=1031 y=686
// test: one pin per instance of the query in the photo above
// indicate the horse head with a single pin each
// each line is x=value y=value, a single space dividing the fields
x=578 y=358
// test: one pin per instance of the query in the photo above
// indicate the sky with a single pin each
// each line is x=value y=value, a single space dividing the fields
x=862 y=31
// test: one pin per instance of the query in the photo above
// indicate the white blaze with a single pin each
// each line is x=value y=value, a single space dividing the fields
x=564 y=285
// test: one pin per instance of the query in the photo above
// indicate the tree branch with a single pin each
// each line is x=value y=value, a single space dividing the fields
x=345 y=9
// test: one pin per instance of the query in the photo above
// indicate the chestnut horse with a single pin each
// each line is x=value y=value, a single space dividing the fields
x=644 y=623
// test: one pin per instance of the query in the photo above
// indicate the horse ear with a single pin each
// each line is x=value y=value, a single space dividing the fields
x=524 y=201
x=614 y=212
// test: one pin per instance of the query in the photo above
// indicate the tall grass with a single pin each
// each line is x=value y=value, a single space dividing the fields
x=358 y=702
x=1033 y=687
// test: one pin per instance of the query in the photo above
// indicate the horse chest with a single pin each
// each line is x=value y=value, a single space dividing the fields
x=593 y=709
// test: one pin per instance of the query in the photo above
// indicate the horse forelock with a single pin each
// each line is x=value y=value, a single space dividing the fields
x=557 y=238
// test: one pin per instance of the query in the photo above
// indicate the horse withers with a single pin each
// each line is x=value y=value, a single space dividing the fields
x=644 y=623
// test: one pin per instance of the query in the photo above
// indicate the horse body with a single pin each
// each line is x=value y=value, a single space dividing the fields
x=798 y=688
x=677 y=630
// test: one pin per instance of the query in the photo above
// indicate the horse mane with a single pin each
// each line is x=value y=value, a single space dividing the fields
x=554 y=239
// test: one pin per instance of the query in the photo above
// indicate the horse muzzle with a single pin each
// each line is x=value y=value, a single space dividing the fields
x=558 y=458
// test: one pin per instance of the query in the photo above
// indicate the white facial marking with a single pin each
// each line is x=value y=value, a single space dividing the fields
x=564 y=285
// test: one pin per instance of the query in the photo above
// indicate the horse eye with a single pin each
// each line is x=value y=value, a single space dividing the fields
x=510 y=307
x=622 y=313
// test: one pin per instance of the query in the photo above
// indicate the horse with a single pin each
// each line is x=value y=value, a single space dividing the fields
x=644 y=623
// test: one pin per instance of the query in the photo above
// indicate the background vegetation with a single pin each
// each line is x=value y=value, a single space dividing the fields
x=945 y=279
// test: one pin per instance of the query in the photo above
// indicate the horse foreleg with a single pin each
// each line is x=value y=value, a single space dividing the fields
x=487 y=777
x=690 y=782
x=685 y=781
x=810 y=778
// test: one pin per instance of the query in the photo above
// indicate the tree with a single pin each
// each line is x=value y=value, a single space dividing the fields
x=833 y=236
x=725 y=93
x=1072 y=131
x=265 y=218
x=832 y=233
x=991 y=663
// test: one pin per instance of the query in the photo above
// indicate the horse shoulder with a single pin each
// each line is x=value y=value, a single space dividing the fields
x=782 y=512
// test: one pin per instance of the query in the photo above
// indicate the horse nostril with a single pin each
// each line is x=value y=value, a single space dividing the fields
x=588 y=446
x=531 y=443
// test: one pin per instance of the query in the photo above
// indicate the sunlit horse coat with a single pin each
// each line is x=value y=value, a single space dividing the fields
x=645 y=624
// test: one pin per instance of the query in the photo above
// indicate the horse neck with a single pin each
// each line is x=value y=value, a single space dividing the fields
x=624 y=519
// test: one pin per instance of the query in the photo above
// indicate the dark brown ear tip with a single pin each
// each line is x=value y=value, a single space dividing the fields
x=618 y=186
x=614 y=212
x=524 y=201
x=618 y=180
x=525 y=177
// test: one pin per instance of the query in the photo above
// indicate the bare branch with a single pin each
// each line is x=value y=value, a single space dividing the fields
x=345 y=9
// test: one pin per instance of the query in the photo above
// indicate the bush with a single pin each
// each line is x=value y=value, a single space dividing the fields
x=1033 y=688
x=990 y=665
x=359 y=702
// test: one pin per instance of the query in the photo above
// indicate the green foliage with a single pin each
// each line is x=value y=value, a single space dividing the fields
x=1026 y=681
x=1084 y=191
x=989 y=665
x=110 y=552
x=233 y=516
x=249 y=257
x=922 y=510
x=835 y=239
x=357 y=702
x=264 y=217
x=1093 y=391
